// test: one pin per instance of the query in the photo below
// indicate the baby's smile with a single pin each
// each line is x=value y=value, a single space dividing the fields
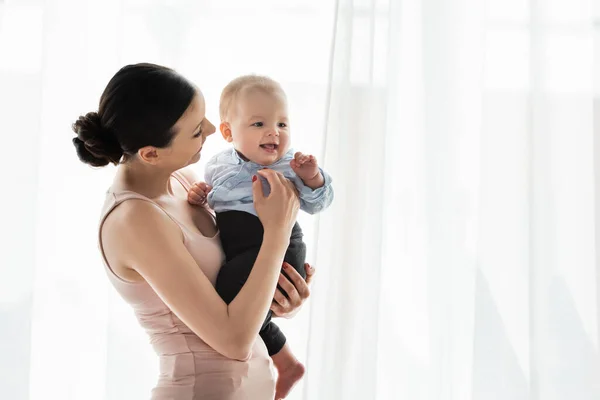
x=269 y=147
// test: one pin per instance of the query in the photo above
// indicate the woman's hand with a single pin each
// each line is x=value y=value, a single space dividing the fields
x=297 y=290
x=277 y=211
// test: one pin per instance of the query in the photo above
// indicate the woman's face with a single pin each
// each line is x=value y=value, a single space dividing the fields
x=191 y=131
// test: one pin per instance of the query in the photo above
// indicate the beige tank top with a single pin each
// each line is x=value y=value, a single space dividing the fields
x=190 y=368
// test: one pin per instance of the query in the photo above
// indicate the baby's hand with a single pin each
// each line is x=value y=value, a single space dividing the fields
x=307 y=169
x=198 y=193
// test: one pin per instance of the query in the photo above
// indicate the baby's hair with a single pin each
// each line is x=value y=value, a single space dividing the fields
x=246 y=83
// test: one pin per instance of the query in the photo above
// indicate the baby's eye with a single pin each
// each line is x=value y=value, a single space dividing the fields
x=258 y=124
x=282 y=125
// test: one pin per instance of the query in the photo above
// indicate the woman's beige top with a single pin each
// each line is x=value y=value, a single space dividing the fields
x=189 y=368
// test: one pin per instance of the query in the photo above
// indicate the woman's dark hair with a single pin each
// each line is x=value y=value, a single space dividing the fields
x=138 y=108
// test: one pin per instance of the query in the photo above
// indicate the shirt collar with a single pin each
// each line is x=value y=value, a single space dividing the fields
x=236 y=156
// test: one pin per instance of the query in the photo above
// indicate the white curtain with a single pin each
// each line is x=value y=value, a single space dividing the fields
x=459 y=260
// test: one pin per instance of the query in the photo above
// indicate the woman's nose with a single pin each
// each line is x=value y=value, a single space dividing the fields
x=211 y=128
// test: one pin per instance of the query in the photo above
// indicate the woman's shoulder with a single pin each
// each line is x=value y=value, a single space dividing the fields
x=131 y=227
x=134 y=213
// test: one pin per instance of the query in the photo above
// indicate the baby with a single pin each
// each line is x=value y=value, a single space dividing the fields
x=254 y=118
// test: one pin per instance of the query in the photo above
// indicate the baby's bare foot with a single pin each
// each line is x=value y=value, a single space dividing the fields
x=289 y=371
x=287 y=379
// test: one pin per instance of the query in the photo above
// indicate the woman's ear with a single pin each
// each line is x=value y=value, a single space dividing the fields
x=225 y=129
x=148 y=154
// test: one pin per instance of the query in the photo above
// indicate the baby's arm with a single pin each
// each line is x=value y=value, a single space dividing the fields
x=307 y=169
x=198 y=193
x=314 y=184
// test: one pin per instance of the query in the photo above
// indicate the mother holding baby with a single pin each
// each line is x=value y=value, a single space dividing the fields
x=163 y=254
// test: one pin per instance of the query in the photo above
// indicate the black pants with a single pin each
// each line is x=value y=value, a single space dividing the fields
x=241 y=236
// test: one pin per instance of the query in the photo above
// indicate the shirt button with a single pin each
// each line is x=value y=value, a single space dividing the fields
x=228 y=185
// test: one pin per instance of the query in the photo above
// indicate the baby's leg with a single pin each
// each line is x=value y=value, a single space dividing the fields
x=272 y=336
x=234 y=274
x=296 y=255
x=239 y=232
x=241 y=237
x=289 y=371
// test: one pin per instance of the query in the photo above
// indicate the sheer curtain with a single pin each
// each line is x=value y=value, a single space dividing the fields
x=459 y=258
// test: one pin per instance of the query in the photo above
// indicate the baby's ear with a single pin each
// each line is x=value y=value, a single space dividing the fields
x=225 y=129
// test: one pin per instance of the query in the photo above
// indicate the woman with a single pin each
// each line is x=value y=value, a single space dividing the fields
x=163 y=255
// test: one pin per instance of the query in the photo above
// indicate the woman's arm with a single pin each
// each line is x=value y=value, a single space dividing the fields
x=151 y=244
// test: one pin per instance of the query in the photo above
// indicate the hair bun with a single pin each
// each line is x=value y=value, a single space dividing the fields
x=95 y=144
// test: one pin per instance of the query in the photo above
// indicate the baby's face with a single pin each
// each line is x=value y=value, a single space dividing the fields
x=260 y=127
